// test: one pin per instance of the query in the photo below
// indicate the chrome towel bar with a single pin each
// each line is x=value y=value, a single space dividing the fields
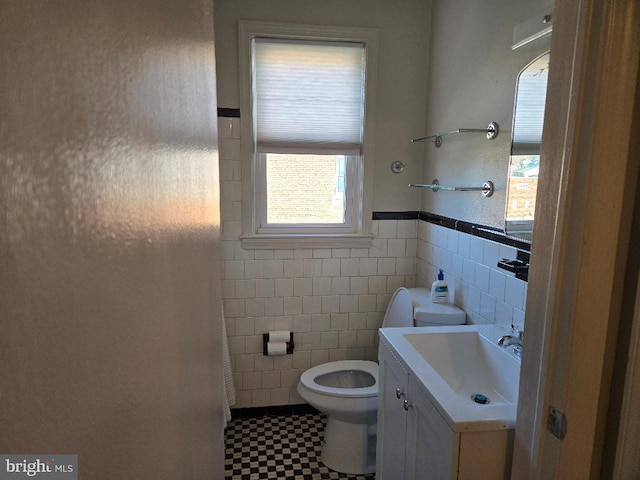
x=491 y=131
x=487 y=187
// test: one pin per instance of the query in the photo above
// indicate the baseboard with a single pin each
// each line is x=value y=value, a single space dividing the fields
x=272 y=411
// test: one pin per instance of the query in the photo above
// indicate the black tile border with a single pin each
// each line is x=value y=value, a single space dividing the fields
x=273 y=411
x=489 y=233
x=229 y=112
x=482 y=231
x=446 y=222
x=396 y=215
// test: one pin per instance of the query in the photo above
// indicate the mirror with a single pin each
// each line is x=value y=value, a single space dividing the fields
x=528 y=116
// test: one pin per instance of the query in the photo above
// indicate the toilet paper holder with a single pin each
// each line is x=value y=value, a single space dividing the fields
x=265 y=340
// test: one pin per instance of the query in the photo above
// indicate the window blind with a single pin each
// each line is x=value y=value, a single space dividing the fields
x=530 y=102
x=308 y=96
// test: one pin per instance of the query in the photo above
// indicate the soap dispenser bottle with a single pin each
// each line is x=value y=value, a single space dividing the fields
x=440 y=289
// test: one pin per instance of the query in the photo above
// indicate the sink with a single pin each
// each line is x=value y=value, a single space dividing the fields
x=470 y=364
x=472 y=382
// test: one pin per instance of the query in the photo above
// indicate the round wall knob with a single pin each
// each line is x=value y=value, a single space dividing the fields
x=397 y=166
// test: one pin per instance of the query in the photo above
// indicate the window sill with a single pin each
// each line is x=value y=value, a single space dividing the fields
x=290 y=241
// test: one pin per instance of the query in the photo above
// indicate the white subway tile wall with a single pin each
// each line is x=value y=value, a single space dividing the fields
x=334 y=299
x=486 y=293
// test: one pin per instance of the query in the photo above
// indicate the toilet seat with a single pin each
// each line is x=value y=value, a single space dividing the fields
x=308 y=378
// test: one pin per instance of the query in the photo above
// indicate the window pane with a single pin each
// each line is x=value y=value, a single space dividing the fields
x=305 y=189
x=523 y=184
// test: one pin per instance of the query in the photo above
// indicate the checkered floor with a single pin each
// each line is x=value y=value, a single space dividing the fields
x=278 y=447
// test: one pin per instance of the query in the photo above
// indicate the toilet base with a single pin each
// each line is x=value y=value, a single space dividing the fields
x=349 y=447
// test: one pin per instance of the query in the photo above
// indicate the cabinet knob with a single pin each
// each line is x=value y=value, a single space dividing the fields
x=399 y=393
x=405 y=404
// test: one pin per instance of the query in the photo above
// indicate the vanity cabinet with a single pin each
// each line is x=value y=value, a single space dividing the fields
x=392 y=416
x=432 y=447
x=415 y=441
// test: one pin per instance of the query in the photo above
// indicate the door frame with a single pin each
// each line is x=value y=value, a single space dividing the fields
x=588 y=183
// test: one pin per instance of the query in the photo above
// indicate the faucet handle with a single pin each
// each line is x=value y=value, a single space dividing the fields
x=516 y=330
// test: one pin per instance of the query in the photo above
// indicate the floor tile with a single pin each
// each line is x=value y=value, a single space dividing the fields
x=278 y=447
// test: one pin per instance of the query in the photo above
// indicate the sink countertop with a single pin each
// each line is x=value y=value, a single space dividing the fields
x=459 y=411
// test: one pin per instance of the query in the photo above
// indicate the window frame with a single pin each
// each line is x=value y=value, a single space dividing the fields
x=359 y=235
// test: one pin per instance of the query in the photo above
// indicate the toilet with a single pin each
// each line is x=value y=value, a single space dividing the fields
x=346 y=391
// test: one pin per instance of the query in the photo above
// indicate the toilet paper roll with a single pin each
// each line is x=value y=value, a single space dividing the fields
x=279 y=336
x=276 y=348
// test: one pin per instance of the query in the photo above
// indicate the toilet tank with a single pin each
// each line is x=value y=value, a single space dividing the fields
x=410 y=307
x=428 y=314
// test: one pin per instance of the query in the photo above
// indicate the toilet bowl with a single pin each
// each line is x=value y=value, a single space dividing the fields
x=346 y=391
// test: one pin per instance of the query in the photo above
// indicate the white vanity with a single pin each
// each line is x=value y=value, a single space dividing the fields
x=430 y=425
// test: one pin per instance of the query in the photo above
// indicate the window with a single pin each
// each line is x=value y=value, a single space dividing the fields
x=307 y=116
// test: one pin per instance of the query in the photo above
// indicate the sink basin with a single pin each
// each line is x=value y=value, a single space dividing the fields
x=471 y=380
x=470 y=364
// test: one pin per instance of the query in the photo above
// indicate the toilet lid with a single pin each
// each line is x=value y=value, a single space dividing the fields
x=400 y=310
x=308 y=378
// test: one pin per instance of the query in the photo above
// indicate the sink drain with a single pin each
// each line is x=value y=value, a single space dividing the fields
x=479 y=398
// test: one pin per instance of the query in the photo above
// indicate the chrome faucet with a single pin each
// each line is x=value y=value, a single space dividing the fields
x=514 y=340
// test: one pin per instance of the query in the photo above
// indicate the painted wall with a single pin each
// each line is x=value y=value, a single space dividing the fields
x=109 y=237
x=402 y=75
x=472 y=82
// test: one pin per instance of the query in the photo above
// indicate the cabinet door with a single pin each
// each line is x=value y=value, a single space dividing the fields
x=432 y=447
x=392 y=417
